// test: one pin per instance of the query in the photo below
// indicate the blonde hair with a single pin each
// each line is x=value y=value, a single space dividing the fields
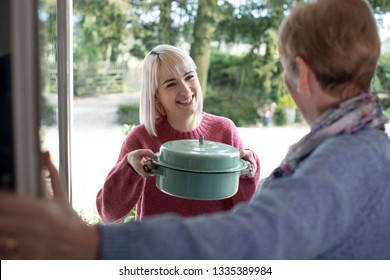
x=169 y=59
x=337 y=38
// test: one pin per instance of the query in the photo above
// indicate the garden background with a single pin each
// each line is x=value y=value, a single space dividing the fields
x=233 y=44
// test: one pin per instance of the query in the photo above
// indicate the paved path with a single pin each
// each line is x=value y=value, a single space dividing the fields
x=97 y=139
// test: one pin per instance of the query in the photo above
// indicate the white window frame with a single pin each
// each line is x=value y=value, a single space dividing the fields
x=65 y=90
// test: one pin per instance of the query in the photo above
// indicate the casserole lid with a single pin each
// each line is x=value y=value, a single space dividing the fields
x=200 y=156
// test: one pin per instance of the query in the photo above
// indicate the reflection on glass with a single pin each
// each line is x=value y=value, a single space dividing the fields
x=49 y=98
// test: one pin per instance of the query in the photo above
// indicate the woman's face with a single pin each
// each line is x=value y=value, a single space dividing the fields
x=178 y=94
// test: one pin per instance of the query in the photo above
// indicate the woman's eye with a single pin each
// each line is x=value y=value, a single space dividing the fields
x=170 y=85
x=189 y=77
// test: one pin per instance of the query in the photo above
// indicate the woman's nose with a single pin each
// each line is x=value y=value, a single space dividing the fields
x=184 y=87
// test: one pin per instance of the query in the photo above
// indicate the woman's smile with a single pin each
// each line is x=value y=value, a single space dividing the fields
x=187 y=101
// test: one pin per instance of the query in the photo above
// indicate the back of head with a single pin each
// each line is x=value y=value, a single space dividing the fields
x=165 y=58
x=337 y=38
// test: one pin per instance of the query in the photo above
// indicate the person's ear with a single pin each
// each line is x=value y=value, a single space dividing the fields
x=305 y=76
x=160 y=111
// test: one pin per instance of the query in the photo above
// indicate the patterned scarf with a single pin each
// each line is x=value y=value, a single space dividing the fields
x=352 y=115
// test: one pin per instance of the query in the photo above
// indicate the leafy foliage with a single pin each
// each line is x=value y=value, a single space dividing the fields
x=239 y=86
x=128 y=114
x=383 y=74
x=380 y=6
x=100 y=29
x=286 y=102
x=114 y=30
x=160 y=22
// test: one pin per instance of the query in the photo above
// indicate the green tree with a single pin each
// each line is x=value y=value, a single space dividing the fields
x=381 y=83
x=47 y=15
x=100 y=30
x=160 y=22
x=380 y=6
x=255 y=24
x=106 y=30
x=204 y=27
x=165 y=30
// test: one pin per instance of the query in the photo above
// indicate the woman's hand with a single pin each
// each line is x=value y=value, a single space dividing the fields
x=39 y=228
x=140 y=161
x=247 y=155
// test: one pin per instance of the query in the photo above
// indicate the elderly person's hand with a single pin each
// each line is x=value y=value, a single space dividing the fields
x=39 y=228
x=247 y=155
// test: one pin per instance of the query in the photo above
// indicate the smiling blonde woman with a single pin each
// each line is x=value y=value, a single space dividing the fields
x=171 y=106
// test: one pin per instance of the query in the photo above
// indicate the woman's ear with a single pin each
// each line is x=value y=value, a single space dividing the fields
x=158 y=106
x=305 y=76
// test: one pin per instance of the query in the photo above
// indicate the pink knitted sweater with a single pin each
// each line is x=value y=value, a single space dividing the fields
x=124 y=188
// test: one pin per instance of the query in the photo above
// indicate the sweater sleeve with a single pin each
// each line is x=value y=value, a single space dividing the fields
x=320 y=212
x=123 y=186
x=247 y=185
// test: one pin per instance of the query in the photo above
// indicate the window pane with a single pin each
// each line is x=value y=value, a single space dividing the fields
x=49 y=99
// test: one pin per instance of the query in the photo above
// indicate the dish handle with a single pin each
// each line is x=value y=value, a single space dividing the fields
x=156 y=171
x=246 y=169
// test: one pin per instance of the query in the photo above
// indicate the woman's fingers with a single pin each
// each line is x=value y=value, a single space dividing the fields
x=141 y=162
x=248 y=156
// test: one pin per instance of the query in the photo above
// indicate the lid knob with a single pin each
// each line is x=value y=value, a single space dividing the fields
x=201 y=139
